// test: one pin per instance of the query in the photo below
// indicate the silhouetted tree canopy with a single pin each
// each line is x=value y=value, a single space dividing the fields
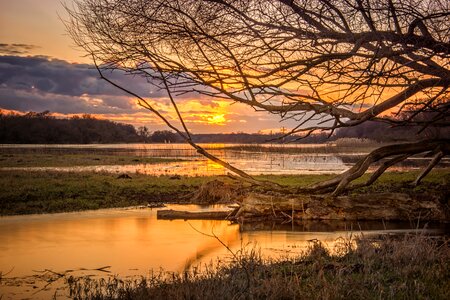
x=321 y=64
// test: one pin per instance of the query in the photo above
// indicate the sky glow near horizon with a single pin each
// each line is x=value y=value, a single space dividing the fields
x=41 y=69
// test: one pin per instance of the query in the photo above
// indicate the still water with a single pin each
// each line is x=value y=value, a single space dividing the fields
x=133 y=242
x=255 y=164
x=293 y=159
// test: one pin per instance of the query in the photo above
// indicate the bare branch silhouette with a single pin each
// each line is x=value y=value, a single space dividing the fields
x=323 y=64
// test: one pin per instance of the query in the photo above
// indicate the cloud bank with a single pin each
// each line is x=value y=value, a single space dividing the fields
x=39 y=83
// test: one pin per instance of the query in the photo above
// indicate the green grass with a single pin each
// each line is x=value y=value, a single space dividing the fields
x=389 y=267
x=24 y=192
x=69 y=160
x=388 y=182
x=438 y=180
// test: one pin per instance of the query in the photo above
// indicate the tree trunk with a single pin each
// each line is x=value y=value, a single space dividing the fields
x=386 y=206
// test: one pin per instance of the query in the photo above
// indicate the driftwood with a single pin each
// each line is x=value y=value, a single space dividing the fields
x=169 y=214
x=386 y=206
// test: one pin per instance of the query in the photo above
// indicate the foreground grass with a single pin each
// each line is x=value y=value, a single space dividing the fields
x=24 y=192
x=24 y=160
x=405 y=267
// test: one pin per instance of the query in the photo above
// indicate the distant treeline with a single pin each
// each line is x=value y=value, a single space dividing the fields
x=383 y=132
x=42 y=128
x=234 y=138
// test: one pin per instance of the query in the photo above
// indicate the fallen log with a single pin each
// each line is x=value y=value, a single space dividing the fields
x=169 y=214
x=386 y=206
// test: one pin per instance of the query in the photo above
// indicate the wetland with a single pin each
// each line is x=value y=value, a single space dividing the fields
x=68 y=210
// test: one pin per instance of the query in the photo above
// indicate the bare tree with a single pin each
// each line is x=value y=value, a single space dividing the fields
x=323 y=64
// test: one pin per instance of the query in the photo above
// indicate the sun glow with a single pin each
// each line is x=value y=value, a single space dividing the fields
x=218 y=119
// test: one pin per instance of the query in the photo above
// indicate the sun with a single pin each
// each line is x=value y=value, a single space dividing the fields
x=218 y=119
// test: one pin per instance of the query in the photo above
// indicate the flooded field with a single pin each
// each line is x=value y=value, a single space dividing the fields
x=295 y=159
x=132 y=242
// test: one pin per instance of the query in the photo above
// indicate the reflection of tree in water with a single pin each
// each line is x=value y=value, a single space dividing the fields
x=327 y=226
x=296 y=234
x=214 y=244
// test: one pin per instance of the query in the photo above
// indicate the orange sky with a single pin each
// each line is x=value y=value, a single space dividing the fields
x=37 y=23
x=33 y=27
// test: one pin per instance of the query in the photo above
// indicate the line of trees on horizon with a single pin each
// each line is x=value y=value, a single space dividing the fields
x=43 y=128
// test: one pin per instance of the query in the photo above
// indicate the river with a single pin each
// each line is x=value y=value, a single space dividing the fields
x=133 y=242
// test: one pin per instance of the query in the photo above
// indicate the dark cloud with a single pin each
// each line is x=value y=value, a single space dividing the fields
x=38 y=83
x=16 y=49
x=60 y=77
x=31 y=100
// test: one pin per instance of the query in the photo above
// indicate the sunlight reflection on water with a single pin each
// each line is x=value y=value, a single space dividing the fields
x=133 y=241
x=253 y=164
x=323 y=161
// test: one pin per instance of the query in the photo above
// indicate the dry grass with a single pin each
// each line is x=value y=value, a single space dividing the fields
x=218 y=191
x=390 y=267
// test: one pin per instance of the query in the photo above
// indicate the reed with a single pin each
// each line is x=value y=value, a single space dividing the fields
x=388 y=267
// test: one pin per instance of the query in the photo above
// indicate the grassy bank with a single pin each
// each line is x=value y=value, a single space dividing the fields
x=24 y=192
x=406 y=267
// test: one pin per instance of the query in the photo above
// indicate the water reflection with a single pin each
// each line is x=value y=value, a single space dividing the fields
x=133 y=241
x=122 y=238
x=325 y=160
x=267 y=163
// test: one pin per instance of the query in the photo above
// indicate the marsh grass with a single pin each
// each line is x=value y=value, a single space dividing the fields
x=339 y=146
x=388 y=267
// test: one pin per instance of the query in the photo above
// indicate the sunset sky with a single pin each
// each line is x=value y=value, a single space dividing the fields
x=41 y=69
